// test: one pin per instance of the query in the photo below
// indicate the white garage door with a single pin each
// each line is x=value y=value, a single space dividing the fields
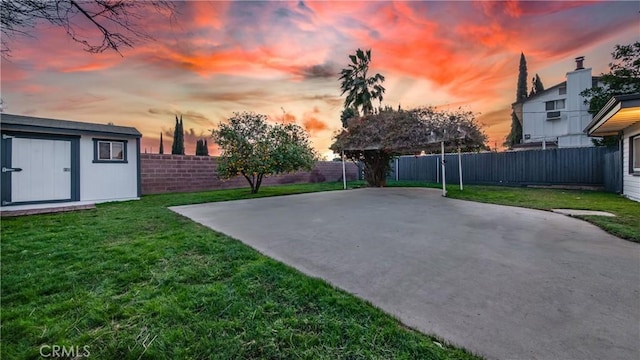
x=46 y=170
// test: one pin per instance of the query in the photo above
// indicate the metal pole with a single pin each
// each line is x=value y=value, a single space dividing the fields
x=444 y=177
x=344 y=173
x=397 y=174
x=460 y=167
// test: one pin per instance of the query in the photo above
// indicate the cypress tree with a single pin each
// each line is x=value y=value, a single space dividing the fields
x=515 y=135
x=178 y=138
x=521 y=93
x=161 y=151
x=201 y=148
x=181 y=143
x=536 y=85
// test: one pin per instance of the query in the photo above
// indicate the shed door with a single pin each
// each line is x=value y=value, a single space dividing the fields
x=46 y=170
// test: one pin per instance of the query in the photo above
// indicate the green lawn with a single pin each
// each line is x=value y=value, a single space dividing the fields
x=626 y=224
x=136 y=281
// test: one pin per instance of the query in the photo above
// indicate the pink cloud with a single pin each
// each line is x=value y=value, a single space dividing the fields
x=288 y=53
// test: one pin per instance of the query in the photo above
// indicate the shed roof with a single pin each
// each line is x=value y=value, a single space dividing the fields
x=36 y=124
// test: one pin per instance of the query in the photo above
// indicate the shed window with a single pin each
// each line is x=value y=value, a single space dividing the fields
x=109 y=150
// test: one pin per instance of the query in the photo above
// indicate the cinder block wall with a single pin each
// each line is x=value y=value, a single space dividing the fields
x=185 y=173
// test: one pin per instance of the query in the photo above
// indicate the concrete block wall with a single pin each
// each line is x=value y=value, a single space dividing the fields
x=185 y=173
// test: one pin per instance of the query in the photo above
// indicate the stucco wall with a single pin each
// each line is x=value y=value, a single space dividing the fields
x=185 y=173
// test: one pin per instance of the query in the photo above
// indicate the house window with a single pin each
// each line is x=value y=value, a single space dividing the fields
x=554 y=105
x=109 y=151
x=562 y=90
x=634 y=155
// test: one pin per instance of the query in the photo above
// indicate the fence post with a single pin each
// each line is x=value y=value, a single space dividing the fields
x=444 y=174
x=344 y=173
x=460 y=167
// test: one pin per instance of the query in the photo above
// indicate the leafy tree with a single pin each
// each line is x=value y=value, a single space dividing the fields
x=347 y=114
x=361 y=89
x=515 y=135
x=623 y=77
x=536 y=85
x=201 y=148
x=114 y=20
x=376 y=138
x=161 y=151
x=178 y=138
x=254 y=149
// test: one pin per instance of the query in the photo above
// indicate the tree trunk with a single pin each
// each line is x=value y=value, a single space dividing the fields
x=251 y=183
x=376 y=167
x=258 y=183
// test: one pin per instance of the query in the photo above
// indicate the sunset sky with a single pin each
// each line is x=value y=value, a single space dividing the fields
x=216 y=58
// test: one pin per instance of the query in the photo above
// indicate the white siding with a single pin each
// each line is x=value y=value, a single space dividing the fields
x=568 y=130
x=535 y=122
x=578 y=112
x=100 y=182
x=631 y=183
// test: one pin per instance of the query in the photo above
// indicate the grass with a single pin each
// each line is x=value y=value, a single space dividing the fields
x=137 y=281
x=625 y=225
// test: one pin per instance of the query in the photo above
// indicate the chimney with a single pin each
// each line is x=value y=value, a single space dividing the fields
x=579 y=61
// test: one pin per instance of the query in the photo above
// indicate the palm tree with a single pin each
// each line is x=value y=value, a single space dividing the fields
x=360 y=89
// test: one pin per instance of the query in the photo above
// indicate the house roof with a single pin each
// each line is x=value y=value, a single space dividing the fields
x=594 y=80
x=619 y=113
x=36 y=124
x=564 y=83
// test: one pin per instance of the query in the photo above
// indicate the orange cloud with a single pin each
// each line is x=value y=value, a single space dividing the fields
x=208 y=14
x=288 y=118
x=94 y=66
x=497 y=125
x=311 y=122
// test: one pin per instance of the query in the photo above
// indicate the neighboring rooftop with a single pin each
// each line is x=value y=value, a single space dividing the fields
x=26 y=123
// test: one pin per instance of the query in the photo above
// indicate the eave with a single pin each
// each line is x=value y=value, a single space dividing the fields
x=619 y=113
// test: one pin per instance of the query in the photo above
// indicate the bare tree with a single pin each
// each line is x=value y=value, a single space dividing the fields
x=116 y=21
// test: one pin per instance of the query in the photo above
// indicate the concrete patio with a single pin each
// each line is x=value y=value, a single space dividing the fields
x=504 y=282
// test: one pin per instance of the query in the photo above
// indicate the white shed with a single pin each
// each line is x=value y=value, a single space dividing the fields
x=621 y=116
x=49 y=162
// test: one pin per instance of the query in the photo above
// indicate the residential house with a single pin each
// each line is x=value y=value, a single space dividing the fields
x=621 y=116
x=555 y=117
